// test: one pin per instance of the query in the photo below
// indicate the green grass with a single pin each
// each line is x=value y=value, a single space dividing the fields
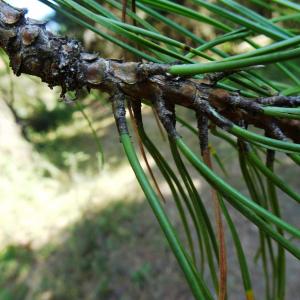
x=98 y=257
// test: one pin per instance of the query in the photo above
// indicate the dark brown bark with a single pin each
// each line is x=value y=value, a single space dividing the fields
x=60 y=61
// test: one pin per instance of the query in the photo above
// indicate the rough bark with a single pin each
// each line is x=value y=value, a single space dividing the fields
x=60 y=61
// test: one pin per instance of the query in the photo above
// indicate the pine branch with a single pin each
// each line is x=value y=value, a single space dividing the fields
x=61 y=61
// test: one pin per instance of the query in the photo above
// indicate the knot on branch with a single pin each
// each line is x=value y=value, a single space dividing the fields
x=35 y=51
